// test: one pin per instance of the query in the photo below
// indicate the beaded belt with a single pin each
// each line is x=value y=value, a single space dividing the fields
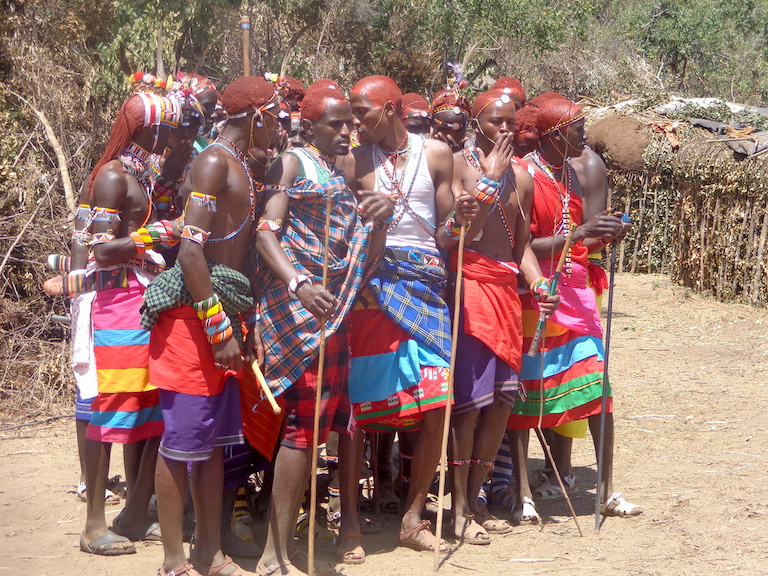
x=141 y=264
x=415 y=256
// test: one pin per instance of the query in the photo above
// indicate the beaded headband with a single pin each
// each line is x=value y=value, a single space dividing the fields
x=265 y=108
x=503 y=98
x=160 y=111
x=576 y=118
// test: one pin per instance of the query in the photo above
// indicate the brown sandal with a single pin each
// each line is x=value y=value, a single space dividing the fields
x=229 y=569
x=415 y=539
x=350 y=554
x=185 y=570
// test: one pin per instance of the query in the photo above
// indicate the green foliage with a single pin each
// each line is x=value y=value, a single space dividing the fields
x=720 y=112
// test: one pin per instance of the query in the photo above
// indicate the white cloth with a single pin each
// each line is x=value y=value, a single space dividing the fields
x=415 y=213
x=83 y=361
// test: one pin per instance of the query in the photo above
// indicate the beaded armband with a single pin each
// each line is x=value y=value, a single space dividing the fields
x=195 y=234
x=83 y=212
x=101 y=238
x=486 y=190
x=274 y=188
x=111 y=215
x=271 y=225
x=81 y=237
x=205 y=200
x=539 y=286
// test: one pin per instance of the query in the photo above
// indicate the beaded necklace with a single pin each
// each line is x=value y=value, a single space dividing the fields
x=474 y=159
x=323 y=162
x=135 y=161
x=381 y=160
x=564 y=226
x=237 y=154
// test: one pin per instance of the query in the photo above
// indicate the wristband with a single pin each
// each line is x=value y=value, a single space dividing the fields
x=486 y=190
x=539 y=286
x=297 y=281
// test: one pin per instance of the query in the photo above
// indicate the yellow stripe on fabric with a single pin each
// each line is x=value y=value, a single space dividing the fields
x=531 y=319
x=124 y=380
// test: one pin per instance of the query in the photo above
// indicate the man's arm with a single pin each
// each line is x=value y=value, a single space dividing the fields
x=110 y=193
x=281 y=175
x=207 y=176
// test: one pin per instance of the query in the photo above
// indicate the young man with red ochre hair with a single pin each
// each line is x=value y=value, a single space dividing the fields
x=123 y=262
x=416 y=114
x=450 y=118
x=293 y=304
x=193 y=311
x=572 y=356
x=400 y=326
x=490 y=325
x=513 y=87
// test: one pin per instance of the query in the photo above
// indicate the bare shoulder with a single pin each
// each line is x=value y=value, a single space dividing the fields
x=283 y=170
x=438 y=150
x=346 y=163
x=110 y=183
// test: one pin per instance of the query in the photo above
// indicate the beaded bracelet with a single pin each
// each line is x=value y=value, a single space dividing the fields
x=81 y=237
x=195 y=234
x=101 y=238
x=453 y=228
x=539 y=286
x=486 y=190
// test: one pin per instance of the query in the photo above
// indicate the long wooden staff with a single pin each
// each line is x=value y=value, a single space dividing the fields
x=552 y=290
x=245 y=25
x=447 y=419
x=532 y=352
x=601 y=443
x=318 y=397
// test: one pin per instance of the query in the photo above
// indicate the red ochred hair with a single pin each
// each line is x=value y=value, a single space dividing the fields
x=486 y=99
x=450 y=99
x=414 y=103
x=379 y=90
x=317 y=100
x=246 y=94
x=512 y=86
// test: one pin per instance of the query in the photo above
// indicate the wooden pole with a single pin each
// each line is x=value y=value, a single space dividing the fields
x=318 y=397
x=447 y=418
x=245 y=26
x=265 y=389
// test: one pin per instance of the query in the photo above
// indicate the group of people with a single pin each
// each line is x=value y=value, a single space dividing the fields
x=270 y=222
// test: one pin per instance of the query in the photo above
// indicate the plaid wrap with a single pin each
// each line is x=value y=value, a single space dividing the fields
x=410 y=294
x=168 y=290
x=335 y=408
x=291 y=334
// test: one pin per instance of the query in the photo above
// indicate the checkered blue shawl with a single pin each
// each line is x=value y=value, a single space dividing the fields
x=291 y=334
x=411 y=295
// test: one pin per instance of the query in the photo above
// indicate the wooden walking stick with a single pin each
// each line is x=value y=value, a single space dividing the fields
x=318 y=397
x=532 y=352
x=245 y=25
x=604 y=402
x=447 y=419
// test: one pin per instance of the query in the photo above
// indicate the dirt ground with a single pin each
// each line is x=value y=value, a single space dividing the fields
x=689 y=376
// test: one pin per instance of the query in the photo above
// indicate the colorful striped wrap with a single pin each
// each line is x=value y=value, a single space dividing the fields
x=400 y=346
x=127 y=407
x=567 y=373
x=290 y=333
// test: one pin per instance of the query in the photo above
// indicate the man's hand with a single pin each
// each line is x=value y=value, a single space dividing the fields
x=375 y=205
x=318 y=301
x=254 y=346
x=450 y=140
x=466 y=207
x=228 y=354
x=177 y=159
x=607 y=225
x=496 y=163
x=548 y=304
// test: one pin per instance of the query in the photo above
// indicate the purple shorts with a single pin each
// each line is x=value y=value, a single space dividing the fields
x=481 y=376
x=195 y=425
x=83 y=408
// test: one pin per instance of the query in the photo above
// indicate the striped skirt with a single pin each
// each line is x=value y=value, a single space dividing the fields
x=394 y=378
x=564 y=381
x=127 y=407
